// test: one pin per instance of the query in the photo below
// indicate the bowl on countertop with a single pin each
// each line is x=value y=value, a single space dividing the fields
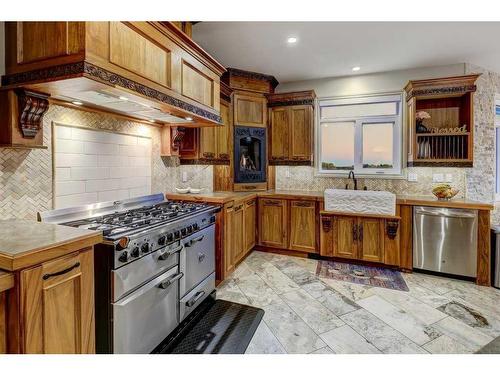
x=444 y=192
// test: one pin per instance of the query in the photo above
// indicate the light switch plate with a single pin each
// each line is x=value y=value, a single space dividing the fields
x=184 y=177
x=437 y=177
x=449 y=177
x=413 y=177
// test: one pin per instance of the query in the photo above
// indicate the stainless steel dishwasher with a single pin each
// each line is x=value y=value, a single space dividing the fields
x=445 y=240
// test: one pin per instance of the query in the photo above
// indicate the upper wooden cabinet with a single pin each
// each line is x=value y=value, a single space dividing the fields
x=162 y=72
x=440 y=119
x=291 y=128
x=250 y=109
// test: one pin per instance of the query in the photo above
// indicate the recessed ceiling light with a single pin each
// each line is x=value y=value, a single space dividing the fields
x=356 y=68
x=292 y=40
x=124 y=98
x=189 y=118
x=76 y=102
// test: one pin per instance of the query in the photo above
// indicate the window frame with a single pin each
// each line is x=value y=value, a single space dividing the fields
x=497 y=146
x=398 y=146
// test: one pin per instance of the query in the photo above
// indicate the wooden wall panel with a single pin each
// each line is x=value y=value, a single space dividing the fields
x=196 y=85
x=483 y=249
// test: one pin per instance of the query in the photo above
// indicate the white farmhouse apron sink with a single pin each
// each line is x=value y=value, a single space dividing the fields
x=360 y=201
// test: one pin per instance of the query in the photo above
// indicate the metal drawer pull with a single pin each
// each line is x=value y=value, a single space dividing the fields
x=165 y=284
x=195 y=299
x=201 y=257
x=49 y=275
x=194 y=240
x=166 y=254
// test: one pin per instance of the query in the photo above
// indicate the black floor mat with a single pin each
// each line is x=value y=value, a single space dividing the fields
x=223 y=328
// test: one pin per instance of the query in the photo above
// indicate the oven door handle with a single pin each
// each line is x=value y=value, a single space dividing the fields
x=195 y=299
x=165 y=284
x=194 y=240
x=166 y=254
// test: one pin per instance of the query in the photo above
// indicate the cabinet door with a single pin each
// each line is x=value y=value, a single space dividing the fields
x=223 y=134
x=58 y=309
x=273 y=223
x=189 y=144
x=239 y=233
x=303 y=226
x=208 y=143
x=250 y=224
x=345 y=228
x=371 y=239
x=250 y=110
x=228 y=240
x=280 y=134
x=301 y=133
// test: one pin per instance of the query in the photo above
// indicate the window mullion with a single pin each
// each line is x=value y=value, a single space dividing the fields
x=358 y=145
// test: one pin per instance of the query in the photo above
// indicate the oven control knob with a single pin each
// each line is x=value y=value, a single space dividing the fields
x=183 y=231
x=195 y=226
x=162 y=240
x=177 y=234
x=212 y=219
x=189 y=229
x=170 y=237
x=123 y=257
x=135 y=252
x=145 y=247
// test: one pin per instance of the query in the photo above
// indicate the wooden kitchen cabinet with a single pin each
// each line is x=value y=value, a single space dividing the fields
x=228 y=244
x=291 y=128
x=273 y=220
x=371 y=238
x=303 y=225
x=58 y=305
x=250 y=224
x=250 y=109
x=215 y=143
x=239 y=231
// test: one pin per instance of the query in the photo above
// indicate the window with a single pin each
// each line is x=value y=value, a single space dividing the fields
x=362 y=134
x=497 y=140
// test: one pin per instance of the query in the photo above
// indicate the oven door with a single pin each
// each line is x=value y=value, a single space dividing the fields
x=197 y=258
x=144 y=318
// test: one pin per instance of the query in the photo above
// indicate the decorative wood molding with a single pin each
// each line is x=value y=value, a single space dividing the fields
x=391 y=227
x=252 y=75
x=326 y=223
x=32 y=107
x=177 y=134
x=225 y=92
x=441 y=86
x=94 y=72
x=448 y=164
x=291 y=98
x=307 y=163
x=204 y=162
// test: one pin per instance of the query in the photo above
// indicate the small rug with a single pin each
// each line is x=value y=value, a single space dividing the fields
x=358 y=274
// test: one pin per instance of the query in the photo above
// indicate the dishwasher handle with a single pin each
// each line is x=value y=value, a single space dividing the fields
x=446 y=212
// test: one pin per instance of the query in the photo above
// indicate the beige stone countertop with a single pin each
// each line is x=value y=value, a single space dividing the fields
x=24 y=243
x=430 y=200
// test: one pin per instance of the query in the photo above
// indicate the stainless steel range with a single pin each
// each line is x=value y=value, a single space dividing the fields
x=155 y=266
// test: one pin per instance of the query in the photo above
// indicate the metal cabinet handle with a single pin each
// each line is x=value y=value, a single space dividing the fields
x=59 y=273
x=166 y=254
x=165 y=284
x=272 y=203
x=195 y=299
x=194 y=240
x=360 y=230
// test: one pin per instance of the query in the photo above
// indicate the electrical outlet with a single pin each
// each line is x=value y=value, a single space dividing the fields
x=437 y=177
x=449 y=177
x=413 y=177
x=184 y=177
x=287 y=173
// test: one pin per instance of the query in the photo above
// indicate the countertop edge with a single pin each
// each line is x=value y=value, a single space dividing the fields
x=6 y=281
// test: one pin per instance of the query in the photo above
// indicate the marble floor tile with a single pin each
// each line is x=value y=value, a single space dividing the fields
x=381 y=335
x=462 y=333
x=325 y=350
x=400 y=320
x=426 y=295
x=295 y=335
x=241 y=271
x=317 y=316
x=345 y=340
x=352 y=291
x=482 y=303
x=264 y=342
x=436 y=284
x=259 y=294
x=306 y=263
x=446 y=345
x=276 y=279
x=404 y=301
x=295 y=272
x=330 y=298
x=230 y=291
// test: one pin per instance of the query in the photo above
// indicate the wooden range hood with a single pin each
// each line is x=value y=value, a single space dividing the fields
x=144 y=70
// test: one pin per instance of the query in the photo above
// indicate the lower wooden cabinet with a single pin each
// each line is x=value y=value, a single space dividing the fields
x=239 y=231
x=228 y=243
x=303 y=224
x=273 y=226
x=288 y=224
x=367 y=238
x=250 y=224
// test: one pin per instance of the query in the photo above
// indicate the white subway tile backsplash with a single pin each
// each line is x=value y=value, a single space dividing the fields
x=139 y=161
x=113 y=161
x=69 y=146
x=63 y=132
x=75 y=200
x=112 y=195
x=134 y=182
x=137 y=192
x=135 y=150
x=89 y=135
x=62 y=174
x=75 y=160
x=80 y=173
x=95 y=148
x=69 y=187
x=144 y=142
x=103 y=185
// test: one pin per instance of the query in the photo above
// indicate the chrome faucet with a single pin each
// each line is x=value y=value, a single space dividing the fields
x=351 y=175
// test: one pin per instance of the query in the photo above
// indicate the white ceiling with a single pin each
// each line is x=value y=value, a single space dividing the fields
x=329 y=49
